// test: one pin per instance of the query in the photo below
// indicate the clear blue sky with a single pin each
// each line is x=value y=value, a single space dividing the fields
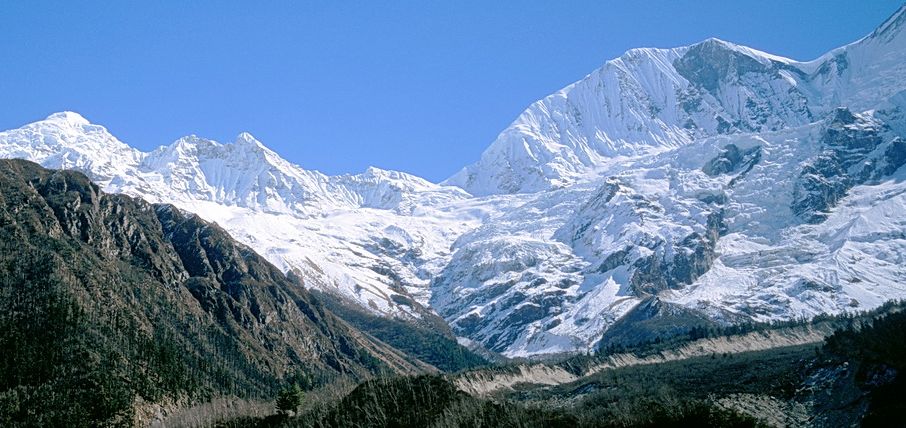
x=337 y=86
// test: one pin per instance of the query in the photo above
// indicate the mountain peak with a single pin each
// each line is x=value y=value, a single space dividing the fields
x=68 y=117
x=374 y=171
x=189 y=142
x=716 y=41
x=715 y=44
x=651 y=99
x=248 y=140
x=196 y=145
x=375 y=174
x=378 y=174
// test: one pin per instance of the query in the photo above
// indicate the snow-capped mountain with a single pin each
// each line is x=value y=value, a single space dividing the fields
x=652 y=100
x=711 y=179
x=368 y=236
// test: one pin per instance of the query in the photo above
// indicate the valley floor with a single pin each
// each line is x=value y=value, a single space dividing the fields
x=843 y=371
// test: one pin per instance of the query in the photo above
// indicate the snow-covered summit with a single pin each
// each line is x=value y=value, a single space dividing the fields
x=68 y=140
x=713 y=177
x=243 y=173
x=68 y=117
x=650 y=100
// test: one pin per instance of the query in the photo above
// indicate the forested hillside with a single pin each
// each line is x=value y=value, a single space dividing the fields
x=107 y=302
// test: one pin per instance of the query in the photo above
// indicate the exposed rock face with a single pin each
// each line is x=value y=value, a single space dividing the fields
x=691 y=258
x=853 y=152
x=657 y=264
x=710 y=63
x=732 y=159
x=717 y=70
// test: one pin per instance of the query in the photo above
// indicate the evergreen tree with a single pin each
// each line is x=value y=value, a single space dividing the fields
x=289 y=399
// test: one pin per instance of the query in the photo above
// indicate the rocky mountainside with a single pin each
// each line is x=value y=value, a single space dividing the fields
x=711 y=183
x=119 y=302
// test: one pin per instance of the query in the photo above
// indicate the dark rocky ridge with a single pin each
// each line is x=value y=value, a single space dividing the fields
x=650 y=320
x=113 y=300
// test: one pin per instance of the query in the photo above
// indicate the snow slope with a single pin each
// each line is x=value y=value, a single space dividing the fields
x=723 y=181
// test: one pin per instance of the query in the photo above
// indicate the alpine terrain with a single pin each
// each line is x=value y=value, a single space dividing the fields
x=704 y=185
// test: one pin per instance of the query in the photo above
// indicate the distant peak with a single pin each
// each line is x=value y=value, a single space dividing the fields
x=192 y=140
x=716 y=41
x=375 y=173
x=713 y=44
x=245 y=139
x=398 y=177
x=69 y=117
x=373 y=170
x=185 y=145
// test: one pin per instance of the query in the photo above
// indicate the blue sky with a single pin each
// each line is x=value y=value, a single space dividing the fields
x=337 y=86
